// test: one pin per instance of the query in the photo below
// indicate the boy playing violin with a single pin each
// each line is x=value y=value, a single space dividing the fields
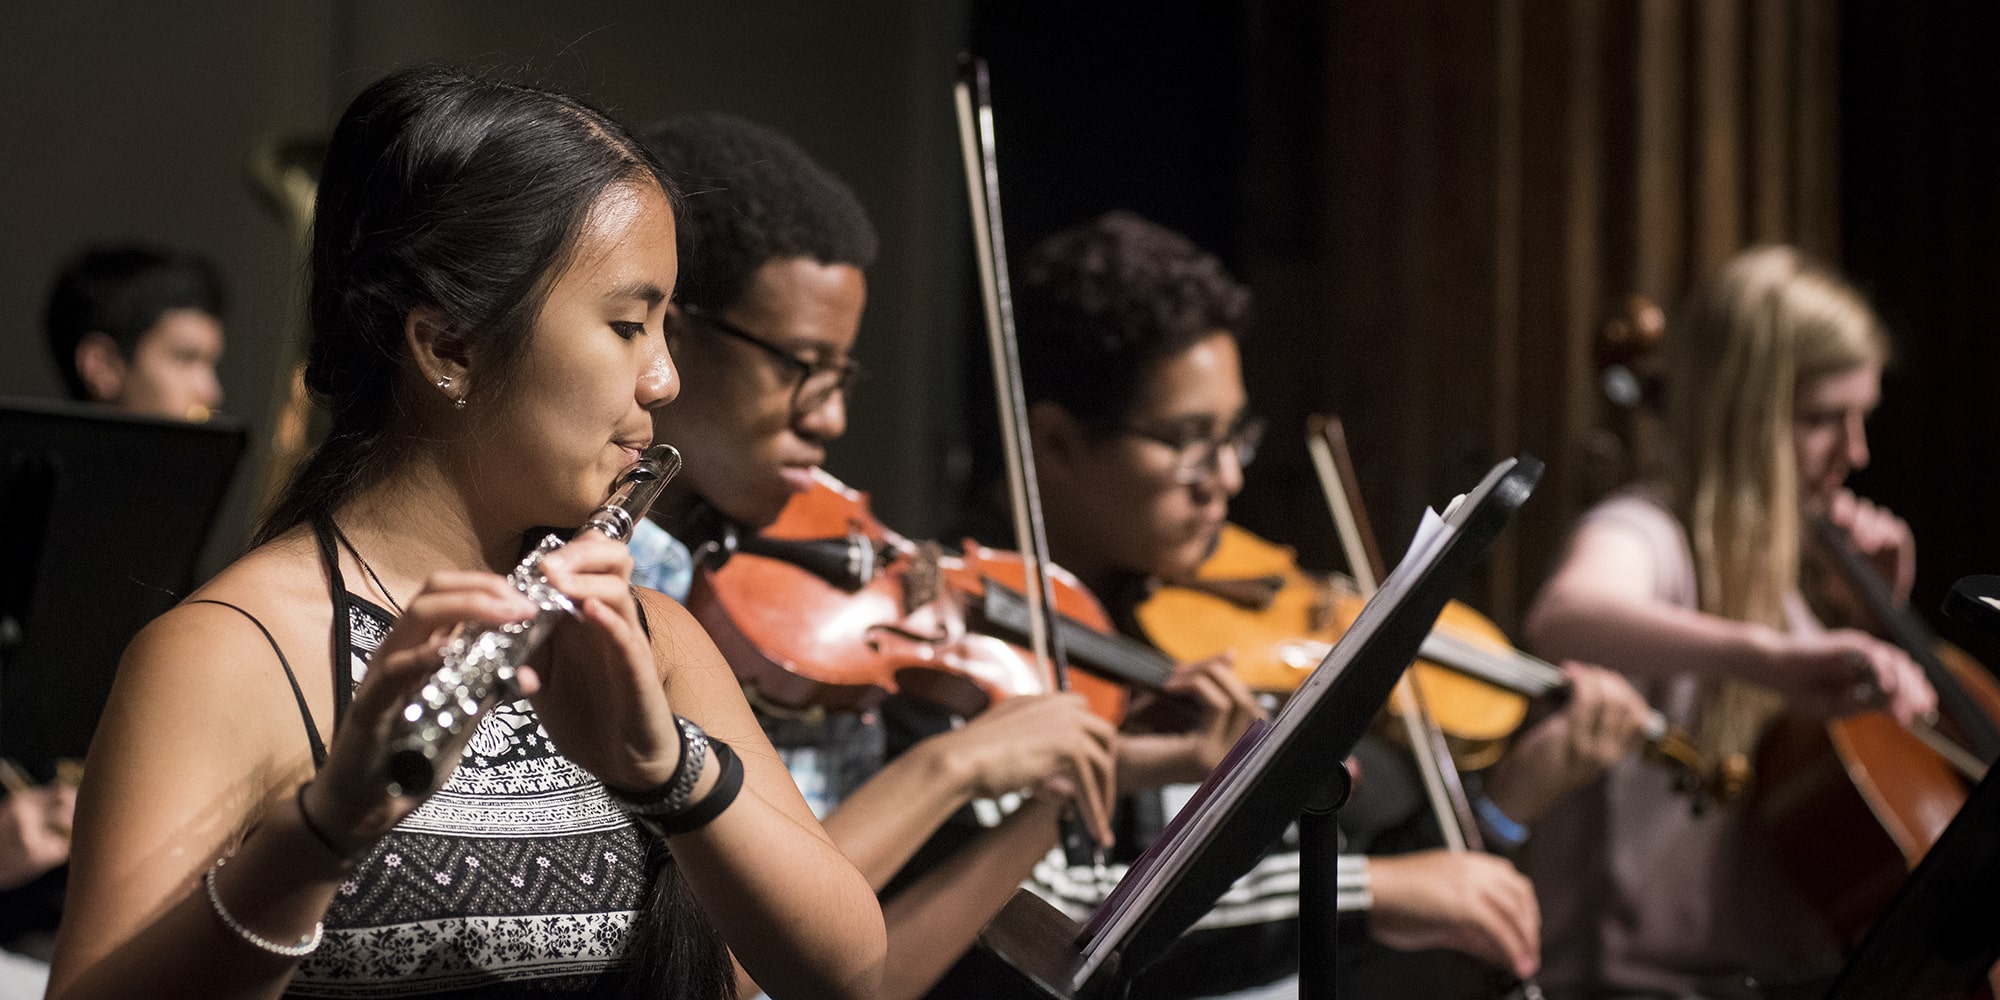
x=771 y=293
x=1141 y=429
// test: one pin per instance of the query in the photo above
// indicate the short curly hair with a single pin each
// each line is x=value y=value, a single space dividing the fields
x=1098 y=304
x=751 y=196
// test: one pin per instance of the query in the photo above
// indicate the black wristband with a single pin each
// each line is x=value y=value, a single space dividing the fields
x=306 y=820
x=701 y=813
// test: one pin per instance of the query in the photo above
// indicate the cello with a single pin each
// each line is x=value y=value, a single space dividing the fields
x=1854 y=804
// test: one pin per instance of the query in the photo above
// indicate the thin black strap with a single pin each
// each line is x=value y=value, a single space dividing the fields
x=305 y=711
x=343 y=627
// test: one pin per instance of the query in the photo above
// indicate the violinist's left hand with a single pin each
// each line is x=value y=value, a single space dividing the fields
x=1881 y=536
x=1604 y=720
x=1205 y=708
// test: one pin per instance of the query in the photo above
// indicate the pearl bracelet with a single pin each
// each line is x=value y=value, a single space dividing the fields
x=305 y=946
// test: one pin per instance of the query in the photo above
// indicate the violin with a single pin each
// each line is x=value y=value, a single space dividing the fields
x=838 y=611
x=829 y=608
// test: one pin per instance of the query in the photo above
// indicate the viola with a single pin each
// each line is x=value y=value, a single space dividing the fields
x=1252 y=597
x=829 y=608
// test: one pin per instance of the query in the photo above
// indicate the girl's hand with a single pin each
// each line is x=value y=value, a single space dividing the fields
x=1881 y=536
x=597 y=689
x=1844 y=671
x=349 y=800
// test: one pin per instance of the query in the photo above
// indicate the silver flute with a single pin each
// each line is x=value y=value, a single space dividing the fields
x=480 y=662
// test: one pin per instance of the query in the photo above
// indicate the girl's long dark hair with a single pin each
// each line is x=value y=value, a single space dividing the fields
x=444 y=191
x=465 y=196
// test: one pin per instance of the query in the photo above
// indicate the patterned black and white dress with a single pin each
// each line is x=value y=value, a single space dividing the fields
x=518 y=877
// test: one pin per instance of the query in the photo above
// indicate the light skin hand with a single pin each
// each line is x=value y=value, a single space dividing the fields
x=348 y=799
x=605 y=705
x=1604 y=720
x=1471 y=903
x=1600 y=607
x=1879 y=535
x=1049 y=743
x=1844 y=671
x=1224 y=707
x=34 y=832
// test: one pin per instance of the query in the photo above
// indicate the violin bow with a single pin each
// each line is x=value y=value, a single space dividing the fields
x=973 y=97
x=1326 y=440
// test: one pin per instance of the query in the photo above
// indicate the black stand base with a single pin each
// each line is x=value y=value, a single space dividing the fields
x=1319 y=888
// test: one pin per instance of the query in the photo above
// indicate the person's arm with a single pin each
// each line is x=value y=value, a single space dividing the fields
x=934 y=920
x=1603 y=720
x=1468 y=902
x=1050 y=744
x=1600 y=607
x=199 y=742
x=792 y=909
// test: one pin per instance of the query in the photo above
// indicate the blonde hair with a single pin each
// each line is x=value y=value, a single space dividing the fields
x=1738 y=350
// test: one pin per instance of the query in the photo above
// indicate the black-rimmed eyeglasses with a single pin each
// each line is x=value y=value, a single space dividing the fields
x=1196 y=459
x=813 y=383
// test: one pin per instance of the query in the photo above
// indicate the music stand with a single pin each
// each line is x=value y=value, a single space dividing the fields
x=102 y=516
x=1941 y=933
x=1273 y=776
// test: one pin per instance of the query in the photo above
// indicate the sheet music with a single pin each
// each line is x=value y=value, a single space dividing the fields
x=1196 y=824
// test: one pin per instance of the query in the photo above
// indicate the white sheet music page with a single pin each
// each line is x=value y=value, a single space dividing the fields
x=1195 y=826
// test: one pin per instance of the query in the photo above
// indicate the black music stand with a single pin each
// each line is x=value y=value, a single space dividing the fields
x=1940 y=935
x=102 y=516
x=1274 y=776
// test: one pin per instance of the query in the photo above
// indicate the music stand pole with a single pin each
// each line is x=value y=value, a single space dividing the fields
x=1319 y=887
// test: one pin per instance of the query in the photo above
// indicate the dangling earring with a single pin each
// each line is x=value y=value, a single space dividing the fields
x=458 y=401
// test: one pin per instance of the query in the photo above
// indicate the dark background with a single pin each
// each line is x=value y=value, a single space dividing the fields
x=1436 y=202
